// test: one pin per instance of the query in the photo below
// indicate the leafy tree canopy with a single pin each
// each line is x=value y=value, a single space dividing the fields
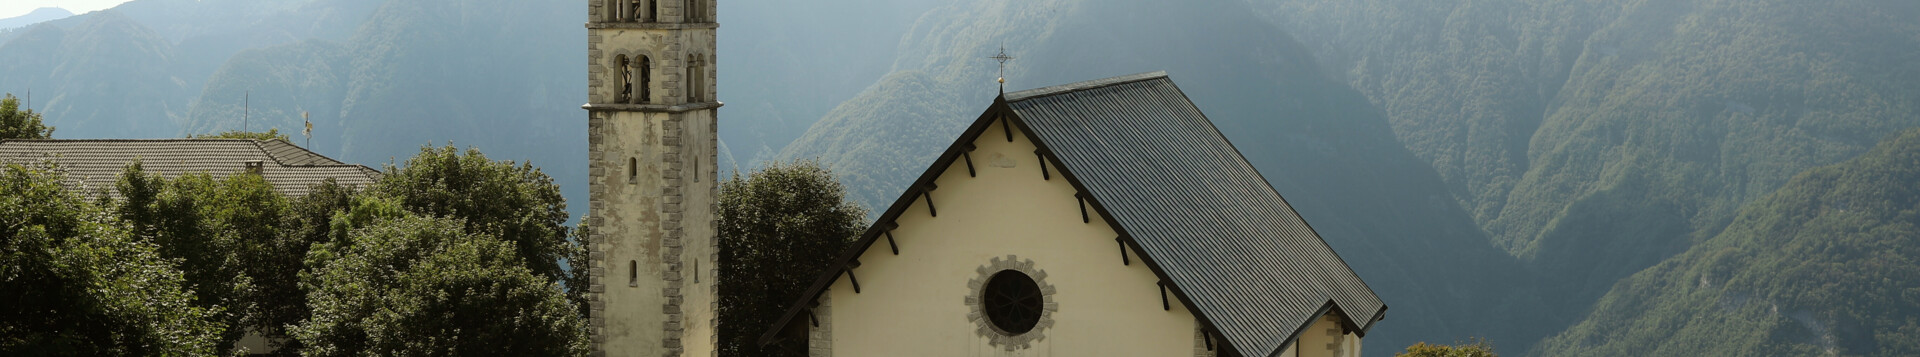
x=270 y=134
x=16 y=123
x=779 y=227
x=516 y=203
x=77 y=282
x=221 y=231
x=412 y=285
x=1422 y=349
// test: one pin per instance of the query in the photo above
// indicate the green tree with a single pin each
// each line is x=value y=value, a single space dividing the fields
x=278 y=300
x=16 y=123
x=404 y=284
x=779 y=228
x=516 y=203
x=77 y=283
x=1478 y=348
x=270 y=134
x=223 y=233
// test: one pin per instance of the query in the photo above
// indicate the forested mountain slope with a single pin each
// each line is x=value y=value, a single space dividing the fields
x=1318 y=142
x=1826 y=265
x=1595 y=138
x=105 y=76
x=37 y=16
x=134 y=70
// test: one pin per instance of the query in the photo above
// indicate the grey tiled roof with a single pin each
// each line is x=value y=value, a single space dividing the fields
x=1206 y=222
x=92 y=166
x=1206 y=219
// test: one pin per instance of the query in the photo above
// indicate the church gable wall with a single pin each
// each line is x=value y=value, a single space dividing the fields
x=923 y=301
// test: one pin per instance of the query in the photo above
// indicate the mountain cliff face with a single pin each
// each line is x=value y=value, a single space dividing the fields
x=37 y=16
x=135 y=70
x=106 y=76
x=1823 y=266
x=1560 y=123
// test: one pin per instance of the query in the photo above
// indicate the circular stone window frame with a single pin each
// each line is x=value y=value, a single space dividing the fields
x=976 y=289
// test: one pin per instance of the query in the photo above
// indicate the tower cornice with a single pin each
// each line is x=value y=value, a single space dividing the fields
x=661 y=108
x=653 y=25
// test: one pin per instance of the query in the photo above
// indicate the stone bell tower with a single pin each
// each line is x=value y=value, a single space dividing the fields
x=651 y=147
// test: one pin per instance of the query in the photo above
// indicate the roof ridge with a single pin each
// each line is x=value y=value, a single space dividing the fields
x=120 y=140
x=262 y=144
x=1081 y=86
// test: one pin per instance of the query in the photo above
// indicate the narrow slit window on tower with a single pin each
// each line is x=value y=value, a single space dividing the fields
x=633 y=169
x=646 y=79
x=696 y=169
x=626 y=79
x=633 y=273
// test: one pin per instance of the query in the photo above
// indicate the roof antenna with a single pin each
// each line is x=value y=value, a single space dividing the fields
x=308 y=131
x=1003 y=58
x=246 y=107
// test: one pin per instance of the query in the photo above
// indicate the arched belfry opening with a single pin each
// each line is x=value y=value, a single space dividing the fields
x=645 y=67
x=695 y=79
x=625 y=78
x=696 y=12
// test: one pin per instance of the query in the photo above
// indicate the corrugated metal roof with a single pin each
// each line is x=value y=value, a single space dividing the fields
x=93 y=166
x=1198 y=213
x=1204 y=216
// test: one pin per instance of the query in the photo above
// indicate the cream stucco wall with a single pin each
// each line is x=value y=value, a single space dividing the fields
x=1325 y=339
x=914 y=304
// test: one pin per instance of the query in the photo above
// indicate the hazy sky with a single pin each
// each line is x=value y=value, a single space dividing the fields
x=11 y=8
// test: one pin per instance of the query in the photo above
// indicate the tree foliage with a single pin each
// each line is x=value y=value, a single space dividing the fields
x=414 y=285
x=450 y=254
x=517 y=203
x=270 y=134
x=76 y=282
x=1475 y=349
x=221 y=231
x=17 y=123
x=279 y=300
x=779 y=228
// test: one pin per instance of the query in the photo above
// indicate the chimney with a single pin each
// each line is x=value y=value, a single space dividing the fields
x=256 y=166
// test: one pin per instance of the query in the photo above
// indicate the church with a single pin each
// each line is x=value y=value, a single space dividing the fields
x=1102 y=218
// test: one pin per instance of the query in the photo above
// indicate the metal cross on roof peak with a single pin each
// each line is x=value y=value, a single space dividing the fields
x=1002 y=57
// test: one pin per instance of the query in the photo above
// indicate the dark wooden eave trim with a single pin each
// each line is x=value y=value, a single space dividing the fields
x=653 y=25
x=657 y=108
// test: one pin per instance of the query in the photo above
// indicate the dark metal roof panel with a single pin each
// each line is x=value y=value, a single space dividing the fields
x=1196 y=207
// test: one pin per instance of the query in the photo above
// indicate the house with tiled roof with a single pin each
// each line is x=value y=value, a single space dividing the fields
x=92 y=166
x=1102 y=218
